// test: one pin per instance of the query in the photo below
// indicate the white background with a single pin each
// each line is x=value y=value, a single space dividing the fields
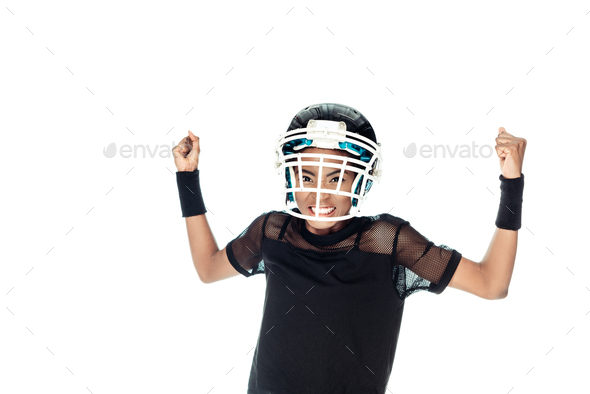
x=99 y=292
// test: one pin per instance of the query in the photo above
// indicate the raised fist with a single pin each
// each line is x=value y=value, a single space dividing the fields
x=186 y=153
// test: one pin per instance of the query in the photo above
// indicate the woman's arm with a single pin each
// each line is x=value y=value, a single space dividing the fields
x=212 y=264
x=498 y=263
x=490 y=279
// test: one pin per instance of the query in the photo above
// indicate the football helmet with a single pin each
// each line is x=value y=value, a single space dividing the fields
x=328 y=126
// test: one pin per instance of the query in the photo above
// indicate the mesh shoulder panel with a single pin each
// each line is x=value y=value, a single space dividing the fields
x=419 y=264
x=378 y=234
x=245 y=251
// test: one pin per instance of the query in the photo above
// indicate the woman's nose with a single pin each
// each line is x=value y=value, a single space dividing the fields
x=323 y=196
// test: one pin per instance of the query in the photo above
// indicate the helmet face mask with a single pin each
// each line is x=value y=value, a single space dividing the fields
x=353 y=166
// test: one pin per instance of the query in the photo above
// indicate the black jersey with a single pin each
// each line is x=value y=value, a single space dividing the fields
x=333 y=304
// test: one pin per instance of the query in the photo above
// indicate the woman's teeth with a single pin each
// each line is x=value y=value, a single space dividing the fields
x=323 y=211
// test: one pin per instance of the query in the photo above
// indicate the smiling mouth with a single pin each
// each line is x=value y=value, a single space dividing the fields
x=323 y=211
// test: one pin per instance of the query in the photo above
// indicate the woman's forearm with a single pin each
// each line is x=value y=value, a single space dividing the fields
x=498 y=263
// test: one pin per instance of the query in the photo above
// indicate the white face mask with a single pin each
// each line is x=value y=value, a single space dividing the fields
x=327 y=135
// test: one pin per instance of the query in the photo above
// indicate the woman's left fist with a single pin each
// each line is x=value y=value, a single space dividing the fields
x=510 y=150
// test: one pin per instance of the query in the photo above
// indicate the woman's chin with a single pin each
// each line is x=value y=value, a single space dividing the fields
x=321 y=224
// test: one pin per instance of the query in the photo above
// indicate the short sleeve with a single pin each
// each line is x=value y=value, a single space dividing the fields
x=419 y=264
x=245 y=251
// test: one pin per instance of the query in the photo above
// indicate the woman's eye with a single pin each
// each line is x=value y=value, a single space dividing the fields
x=306 y=179
x=336 y=179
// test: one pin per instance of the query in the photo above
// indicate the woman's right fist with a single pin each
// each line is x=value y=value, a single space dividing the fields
x=186 y=153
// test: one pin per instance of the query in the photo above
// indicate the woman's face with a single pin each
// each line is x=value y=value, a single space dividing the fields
x=331 y=205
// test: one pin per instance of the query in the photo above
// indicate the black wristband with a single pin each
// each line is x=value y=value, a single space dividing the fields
x=189 y=191
x=510 y=210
